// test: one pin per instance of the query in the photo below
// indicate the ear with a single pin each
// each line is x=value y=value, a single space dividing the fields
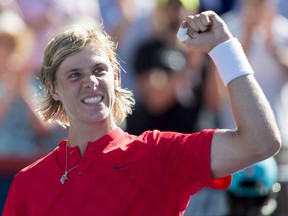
x=117 y=78
x=54 y=92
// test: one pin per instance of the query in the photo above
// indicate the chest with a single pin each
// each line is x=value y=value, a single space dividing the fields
x=114 y=184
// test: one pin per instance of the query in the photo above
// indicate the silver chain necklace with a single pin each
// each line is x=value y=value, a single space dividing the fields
x=64 y=177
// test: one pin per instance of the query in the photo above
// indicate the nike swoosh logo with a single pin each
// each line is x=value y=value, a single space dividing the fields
x=117 y=167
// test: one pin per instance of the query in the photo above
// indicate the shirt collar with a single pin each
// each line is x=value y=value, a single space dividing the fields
x=96 y=146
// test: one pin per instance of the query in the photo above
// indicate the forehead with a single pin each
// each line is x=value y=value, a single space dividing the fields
x=87 y=57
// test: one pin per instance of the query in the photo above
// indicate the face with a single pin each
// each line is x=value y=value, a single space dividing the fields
x=158 y=90
x=85 y=84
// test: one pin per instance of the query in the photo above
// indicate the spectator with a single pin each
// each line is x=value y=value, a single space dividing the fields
x=262 y=32
x=254 y=190
x=46 y=18
x=23 y=136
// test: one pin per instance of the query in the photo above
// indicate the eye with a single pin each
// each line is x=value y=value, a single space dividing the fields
x=74 y=75
x=99 y=70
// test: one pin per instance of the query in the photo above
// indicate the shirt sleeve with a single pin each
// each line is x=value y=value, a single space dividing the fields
x=187 y=160
x=15 y=204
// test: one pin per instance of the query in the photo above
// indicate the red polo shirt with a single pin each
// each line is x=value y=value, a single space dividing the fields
x=119 y=174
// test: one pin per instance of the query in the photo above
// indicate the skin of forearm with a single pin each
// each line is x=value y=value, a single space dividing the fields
x=253 y=116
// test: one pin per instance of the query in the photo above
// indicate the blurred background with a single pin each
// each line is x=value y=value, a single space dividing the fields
x=175 y=88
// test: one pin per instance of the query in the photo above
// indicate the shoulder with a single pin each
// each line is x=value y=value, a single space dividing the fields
x=40 y=165
x=156 y=137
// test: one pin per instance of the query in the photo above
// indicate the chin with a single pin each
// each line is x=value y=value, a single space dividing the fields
x=98 y=118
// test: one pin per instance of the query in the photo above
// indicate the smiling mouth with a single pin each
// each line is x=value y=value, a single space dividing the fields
x=93 y=100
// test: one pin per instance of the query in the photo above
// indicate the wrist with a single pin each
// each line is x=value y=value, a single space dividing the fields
x=230 y=60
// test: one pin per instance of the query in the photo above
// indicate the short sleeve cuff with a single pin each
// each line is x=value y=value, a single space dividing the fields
x=222 y=183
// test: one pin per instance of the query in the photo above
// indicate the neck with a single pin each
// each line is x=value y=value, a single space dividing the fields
x=80 y=135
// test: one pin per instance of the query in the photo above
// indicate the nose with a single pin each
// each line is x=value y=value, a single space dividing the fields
x=90 y=81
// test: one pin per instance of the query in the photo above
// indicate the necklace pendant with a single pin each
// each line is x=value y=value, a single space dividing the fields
x=63 y=178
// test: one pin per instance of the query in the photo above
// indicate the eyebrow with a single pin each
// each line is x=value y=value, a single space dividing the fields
x=97 y=65
x=92 y=67
x=72 y=70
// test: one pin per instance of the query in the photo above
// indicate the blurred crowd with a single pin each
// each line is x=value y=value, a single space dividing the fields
x=175 y=88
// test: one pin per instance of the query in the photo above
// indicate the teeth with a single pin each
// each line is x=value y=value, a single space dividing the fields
x=92 y=100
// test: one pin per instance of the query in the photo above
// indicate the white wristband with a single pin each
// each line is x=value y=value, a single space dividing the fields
x=230 y=60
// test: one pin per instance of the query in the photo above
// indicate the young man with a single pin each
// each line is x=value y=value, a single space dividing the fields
x=100 y=169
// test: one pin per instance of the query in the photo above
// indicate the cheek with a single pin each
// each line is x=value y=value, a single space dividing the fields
x=110 y=84
x=67 y=93
x=111 y=81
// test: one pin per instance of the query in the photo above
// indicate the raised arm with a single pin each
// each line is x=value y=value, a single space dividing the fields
x=256 y=136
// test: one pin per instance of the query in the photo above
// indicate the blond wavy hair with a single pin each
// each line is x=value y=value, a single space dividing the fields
x=64 y=44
